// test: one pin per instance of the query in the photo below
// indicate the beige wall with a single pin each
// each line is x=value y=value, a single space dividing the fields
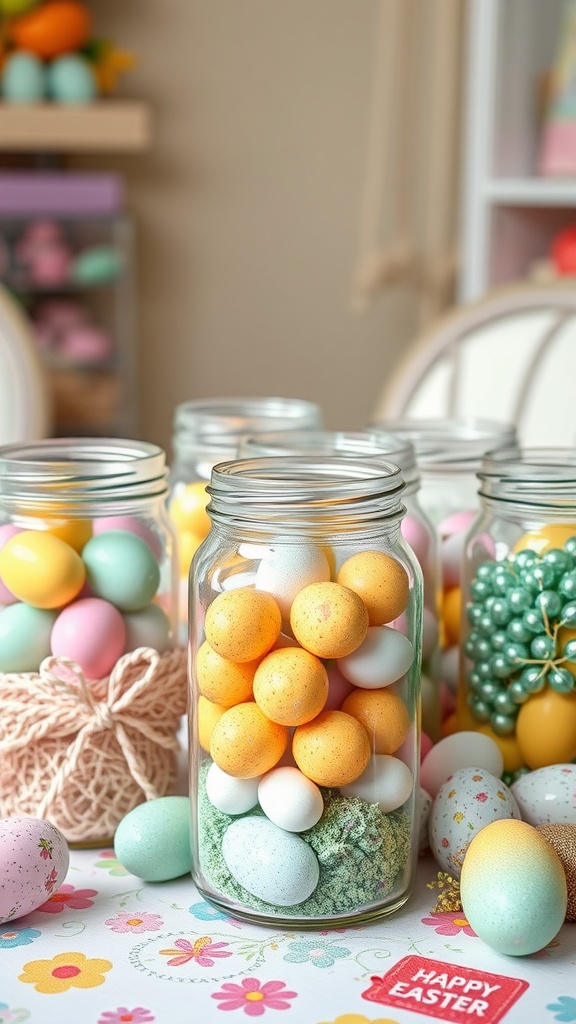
x=248 y=205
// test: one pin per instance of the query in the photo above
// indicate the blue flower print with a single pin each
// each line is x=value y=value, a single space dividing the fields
x=565 y=1009
x=204 y=912
x=314 y=951
x=11 y=937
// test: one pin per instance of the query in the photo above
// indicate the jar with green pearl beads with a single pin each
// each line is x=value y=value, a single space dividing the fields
x=518 y=657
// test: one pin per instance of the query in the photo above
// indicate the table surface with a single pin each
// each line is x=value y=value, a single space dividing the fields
x=108 y=948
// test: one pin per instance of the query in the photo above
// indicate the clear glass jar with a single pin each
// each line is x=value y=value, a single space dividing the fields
x=519 y=588
x=87 y=576
x=305 y=701
x=417 y=529
x=449 y=453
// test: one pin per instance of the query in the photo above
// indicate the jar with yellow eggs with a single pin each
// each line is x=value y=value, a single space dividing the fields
x=208 y=431
x=518 y=682
x=88 y=614
x=304 y=662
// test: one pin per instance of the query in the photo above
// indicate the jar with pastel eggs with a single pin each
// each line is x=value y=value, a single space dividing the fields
x=416 y=528
x=449 y=453
x=304 y=693
x=518 y=682
x=88 y=612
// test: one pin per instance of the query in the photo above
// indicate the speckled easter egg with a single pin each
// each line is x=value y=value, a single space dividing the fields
x=153 y=840
x=221 y=680
x=384 y=716
x=469 y=800
x=34 y=861
x=287 y=568
x=547 y=796
x=563 y=839
x=243 y=624
x=41 y=569
x=24 y=637
x=245 y=743
x=546 y=728
x=291 y=686
x=380 y=580
x=329 y=620
x=384 y=656
x=513 y=888
x=207 y=714
x=332 y=750
x=121 y=568
x=467 y=749
x=276 y=866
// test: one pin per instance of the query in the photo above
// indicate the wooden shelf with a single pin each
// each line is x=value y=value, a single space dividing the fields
x=112 y=126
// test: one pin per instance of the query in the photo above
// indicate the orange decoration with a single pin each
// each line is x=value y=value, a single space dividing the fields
x=60 y=26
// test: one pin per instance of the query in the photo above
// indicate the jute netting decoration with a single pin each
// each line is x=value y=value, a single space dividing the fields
x=82 y=753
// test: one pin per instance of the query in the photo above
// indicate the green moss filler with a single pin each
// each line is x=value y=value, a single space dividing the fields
x=361 y=852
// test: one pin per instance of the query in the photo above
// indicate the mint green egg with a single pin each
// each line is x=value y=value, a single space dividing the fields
x=71 y=80
x=23 y=78
x=24 y=637
x=121 y=568
x=98 y=265
x=153 y=840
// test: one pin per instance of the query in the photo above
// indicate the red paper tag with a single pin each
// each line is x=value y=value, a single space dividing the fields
x=457 y=994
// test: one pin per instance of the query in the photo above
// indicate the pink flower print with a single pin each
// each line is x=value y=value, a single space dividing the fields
x=68 y=896
x=254 y=998
x=136 y=1016
x=482 y=797
x=202 y=951
x=50 y=882
x=124 y=922
x=445 y=842
x=449 y=924
x=46 y=848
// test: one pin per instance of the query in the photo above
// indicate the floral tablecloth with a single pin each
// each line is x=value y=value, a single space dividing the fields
x=108 y=949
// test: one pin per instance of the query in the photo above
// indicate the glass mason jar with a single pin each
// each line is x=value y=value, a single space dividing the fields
x=519 y=588
x=449 y=454
x=87 y=575
x=417 y=529
x=305 y=702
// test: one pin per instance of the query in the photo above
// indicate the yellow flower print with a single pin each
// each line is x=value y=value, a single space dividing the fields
x=359 y=1018
x=451 y=794
x=67 y=970
x=458 y=816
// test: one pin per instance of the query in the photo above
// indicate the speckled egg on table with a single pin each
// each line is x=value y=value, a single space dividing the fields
x=547 y=796
x=153 y=840
x=276 y=866
x=34 y=861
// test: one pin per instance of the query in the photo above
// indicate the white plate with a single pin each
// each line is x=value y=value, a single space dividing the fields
x=24 y=405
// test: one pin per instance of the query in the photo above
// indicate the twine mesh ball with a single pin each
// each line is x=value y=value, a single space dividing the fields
x=82 y=753
x=563 y=838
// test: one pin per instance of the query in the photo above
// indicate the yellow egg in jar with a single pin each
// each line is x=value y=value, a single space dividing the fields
x=384 y=716
x=291 y=686
x=332 y=750
x=329 y=620
x=207 y=714
x=553 y=535
x=188 y=509
x=245 y=743
x=188 y=544
x=546 y=728
x=75 y=532
x=509 y=748
x=222 y=681
x=380 y=580
x=243 y=624
x=452 y=616
x=41 y=569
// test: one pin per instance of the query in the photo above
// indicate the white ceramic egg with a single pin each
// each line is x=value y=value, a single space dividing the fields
x=386 y=781
x=460 y=750
x=229 y=794
x=430 y=633
x=276 y=866
x=383 y=657
x=290 y=799
x=547 y=796
x=34 y=861
x=469 y=800
x=287 y=568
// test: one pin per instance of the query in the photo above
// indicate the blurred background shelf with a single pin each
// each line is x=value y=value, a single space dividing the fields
x=111 y=126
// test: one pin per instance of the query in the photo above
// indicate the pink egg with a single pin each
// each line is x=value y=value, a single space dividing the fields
x=426 y=744
x=416 y=535
x=50 y=265
x=6 y=533
x=92 y=633
x=86 y=343
x=34 y=857
x=451 y=556
x=401 y=624
x=338 y=689
x=133 y=525
x=456 y=522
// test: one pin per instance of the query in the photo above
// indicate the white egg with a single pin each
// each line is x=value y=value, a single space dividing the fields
x=383 y=657
x=290 y=799
x=424 y=808
x=276 y=866
x=386 y=781
x=460 y=750
x=228 y=794
x=430 y=632
x=450 y=667
x=287 y=568
x=467 y=801
x=547 y=796
x=148 y=627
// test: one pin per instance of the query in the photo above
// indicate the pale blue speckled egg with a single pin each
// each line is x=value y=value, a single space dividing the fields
x=276 y=866
x=547 y=796
x=153 y=840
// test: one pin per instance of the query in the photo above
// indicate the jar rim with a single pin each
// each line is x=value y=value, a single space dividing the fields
x=228 y=417
x=533 y=477
x=450 y=444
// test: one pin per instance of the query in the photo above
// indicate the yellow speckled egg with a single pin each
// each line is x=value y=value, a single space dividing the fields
x=41 y=569
x=332 y=750
x=188 y=509
x=245 y=743
x=508 y=746
x=384 y=716
x=207 y=714
x=329 y=620
x=380 y=580
x=291 y=686
x=243 y=624
x=546 y=728
x=554 y=535
x=513 y=888
x=222 y=681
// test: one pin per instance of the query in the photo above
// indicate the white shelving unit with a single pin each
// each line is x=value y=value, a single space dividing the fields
x=510 y=214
